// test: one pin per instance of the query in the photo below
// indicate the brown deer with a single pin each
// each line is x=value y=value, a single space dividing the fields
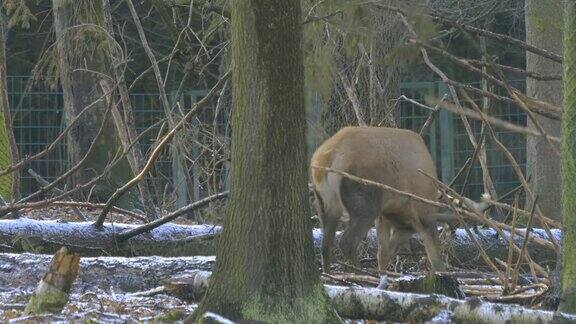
x=390 y=156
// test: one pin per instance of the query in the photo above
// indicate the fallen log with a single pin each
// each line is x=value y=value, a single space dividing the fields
x=35 y=236
x=27 y=235
x=383 y=305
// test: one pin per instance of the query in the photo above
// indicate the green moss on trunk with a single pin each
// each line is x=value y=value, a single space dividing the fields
x=265 y=268
x=8 y=152
x=568 y=303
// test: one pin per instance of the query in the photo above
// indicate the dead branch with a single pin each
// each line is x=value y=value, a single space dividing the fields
x=353 y=98
x=479 y=115
x=527 y=104
x=172 y=216
x=516 y=70
x=482 y=32
x=5 y=209
x=197 y=107
x=92 y=206
x=45 y=183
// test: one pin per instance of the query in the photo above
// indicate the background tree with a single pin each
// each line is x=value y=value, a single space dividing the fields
x=82 y=51
x=544 y=29
x=568 y=302
x=9 y=187
x=265 y=268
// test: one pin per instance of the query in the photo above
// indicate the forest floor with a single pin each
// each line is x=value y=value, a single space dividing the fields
x=94 y=303
x=110 y=304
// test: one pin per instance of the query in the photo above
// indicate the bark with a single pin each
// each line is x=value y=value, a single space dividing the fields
x=383 y=305
x=10 y=183
x=78 y=49
x=128 y=275
x=26 y=235
x=568 y=302
x=52 y=293
x=265 y=266
x=543 y=165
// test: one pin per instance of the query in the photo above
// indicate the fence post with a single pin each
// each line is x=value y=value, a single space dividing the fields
x=178 y=177
x=446 y=139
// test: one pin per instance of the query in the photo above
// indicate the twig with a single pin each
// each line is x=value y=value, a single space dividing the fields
x=494 y=121
x=90 y=183
x=170 y=217
x=472 y=159
x=45 y=183
x=353 y=98
x=431 y=116
x=483 y=253
x=381 y=186
x=520 y=177
x=343 y=281
x=519 y=71
x=511 y=245
x=481 y=155
x=524 y=243
x=118 y=193
x=482 y=32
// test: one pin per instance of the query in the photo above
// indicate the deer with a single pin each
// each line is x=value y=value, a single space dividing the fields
x=395 y=157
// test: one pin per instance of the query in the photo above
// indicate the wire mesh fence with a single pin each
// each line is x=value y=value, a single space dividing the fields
x=450 y=145
x=37 y=119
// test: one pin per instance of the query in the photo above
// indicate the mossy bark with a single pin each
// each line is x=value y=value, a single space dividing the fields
x=568 y=302
x=82 y=49
x=9 y=184
x=265 y=268
x=544 y=29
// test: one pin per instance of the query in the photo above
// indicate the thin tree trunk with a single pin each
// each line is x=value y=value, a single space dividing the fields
x=265 y=268
x=544 y=29
x=9 y=184
x=125 y=124
x=568 y=302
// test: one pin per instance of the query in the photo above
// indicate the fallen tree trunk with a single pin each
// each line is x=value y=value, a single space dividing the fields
x=18 y=271
x=383 y=305
x=26 y=235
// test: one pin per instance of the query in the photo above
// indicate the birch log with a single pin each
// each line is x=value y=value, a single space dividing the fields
x=27 y=235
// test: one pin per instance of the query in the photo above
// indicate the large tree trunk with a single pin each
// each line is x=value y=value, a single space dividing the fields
x=82 y=49
x=544 y=29
x=9 y=184
x=568 y=302
x=265 y=268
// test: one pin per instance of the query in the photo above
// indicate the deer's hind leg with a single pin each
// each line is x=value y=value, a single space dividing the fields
x=329 y=211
